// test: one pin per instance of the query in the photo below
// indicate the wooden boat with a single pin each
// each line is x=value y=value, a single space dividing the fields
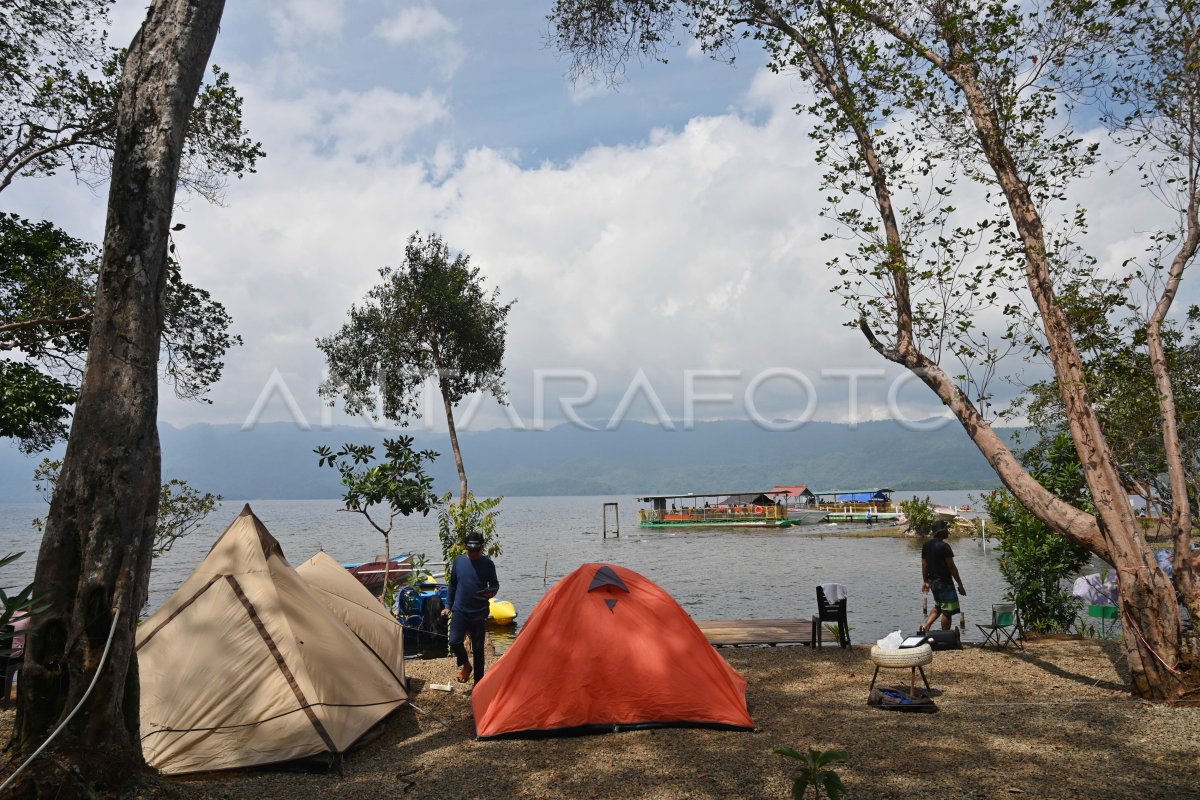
x=714 y=510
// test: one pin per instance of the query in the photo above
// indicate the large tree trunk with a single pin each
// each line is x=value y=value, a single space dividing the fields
x=94 y=563
x=1161 y=661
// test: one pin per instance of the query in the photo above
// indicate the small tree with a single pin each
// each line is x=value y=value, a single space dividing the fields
x=456 y=520
x=1034 y=560
x=396 y=486
x=919 y=514
x=813 y=773
x=429 y=318
x=12 y=606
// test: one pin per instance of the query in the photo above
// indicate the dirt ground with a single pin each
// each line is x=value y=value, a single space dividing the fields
x=1052 y=722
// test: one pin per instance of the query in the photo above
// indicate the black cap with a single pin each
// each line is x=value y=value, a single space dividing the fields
x=474 y=541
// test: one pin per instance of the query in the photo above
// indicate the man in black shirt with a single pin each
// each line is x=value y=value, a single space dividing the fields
x=938 y=573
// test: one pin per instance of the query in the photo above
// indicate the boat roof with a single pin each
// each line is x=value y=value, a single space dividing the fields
x=857 y=491
x=796 y=490
x=685 y=495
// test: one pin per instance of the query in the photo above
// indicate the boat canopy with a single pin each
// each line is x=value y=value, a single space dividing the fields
x=660 y=501
x=797 y=492
x=856 y=496
x=759 y=499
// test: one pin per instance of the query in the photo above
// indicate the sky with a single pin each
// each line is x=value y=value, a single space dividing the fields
x=662 y=239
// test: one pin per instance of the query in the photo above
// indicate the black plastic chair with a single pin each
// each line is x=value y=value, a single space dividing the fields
x=829 y=612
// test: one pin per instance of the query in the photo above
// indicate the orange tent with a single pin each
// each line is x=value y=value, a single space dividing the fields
x=608 y=649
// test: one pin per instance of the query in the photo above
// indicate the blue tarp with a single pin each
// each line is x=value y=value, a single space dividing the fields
x=862 y=497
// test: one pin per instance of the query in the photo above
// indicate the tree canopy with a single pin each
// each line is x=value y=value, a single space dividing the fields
x=430 y=318
x=47 y=294
x=946 y=132
x=58 y=99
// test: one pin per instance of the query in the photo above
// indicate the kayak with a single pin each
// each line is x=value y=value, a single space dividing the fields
x=502 y=612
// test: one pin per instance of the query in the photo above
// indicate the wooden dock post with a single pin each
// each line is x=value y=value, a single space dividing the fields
x=616 y=520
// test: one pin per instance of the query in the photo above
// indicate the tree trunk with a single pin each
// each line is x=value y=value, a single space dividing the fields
x=458 y=462
x=94 y=562
x=1161 y=664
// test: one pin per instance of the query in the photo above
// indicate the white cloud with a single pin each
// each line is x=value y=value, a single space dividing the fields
x=297 y=21
x=429 y=29
x=415 y=24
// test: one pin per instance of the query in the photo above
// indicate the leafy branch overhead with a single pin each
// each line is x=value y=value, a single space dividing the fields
x=47 y=292
x=59 y=98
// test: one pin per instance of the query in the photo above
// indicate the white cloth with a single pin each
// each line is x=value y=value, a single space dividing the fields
x=891 y=641
x=1091 y=589
x=834 y=592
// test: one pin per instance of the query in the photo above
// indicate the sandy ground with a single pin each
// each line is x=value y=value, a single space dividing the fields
x=1052 y=722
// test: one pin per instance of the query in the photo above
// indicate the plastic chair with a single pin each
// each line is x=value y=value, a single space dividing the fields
x=829 y=612
x=1005 y=628
x=1108 y=618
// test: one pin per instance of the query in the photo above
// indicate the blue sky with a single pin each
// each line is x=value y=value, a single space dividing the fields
x=662 y=240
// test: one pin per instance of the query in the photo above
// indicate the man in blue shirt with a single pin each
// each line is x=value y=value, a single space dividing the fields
x=473 y=582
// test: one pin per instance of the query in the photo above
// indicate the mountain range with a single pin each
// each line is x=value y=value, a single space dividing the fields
x=276 y=460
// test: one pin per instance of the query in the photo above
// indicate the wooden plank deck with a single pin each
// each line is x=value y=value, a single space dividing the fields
x=736 y=632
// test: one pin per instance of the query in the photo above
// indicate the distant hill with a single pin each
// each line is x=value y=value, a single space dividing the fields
x=276 y=461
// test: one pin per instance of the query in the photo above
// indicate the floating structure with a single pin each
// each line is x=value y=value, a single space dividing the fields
x=859 y=505
x=715 y=510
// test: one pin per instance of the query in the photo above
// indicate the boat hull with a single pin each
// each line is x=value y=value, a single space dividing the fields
x=806 y=516
x=863 y=516
x=718 y=523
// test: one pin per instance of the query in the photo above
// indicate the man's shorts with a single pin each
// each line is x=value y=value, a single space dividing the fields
x=944 y=596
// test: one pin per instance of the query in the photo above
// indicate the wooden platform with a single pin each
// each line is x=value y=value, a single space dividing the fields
x=736 y=632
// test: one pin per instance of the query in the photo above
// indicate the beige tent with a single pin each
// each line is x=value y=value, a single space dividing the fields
x=360 y=610
x=245 y=664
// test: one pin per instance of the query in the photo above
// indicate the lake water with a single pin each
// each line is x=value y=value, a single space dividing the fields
x=714 y=574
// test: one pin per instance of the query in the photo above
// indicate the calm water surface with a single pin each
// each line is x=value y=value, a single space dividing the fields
x=714 y=574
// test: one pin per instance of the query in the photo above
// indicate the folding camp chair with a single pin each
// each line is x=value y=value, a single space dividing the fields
x=1005 y=628
x=829 y=612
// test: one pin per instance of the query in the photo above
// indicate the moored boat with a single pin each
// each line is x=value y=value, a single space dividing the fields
x=418 y=603
x=859 y=505
x=801 y=505
x=714 y=510
x=501 y=612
